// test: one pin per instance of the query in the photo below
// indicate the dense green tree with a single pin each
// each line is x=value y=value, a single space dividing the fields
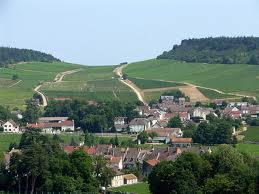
x=223 y=50
x=175 y=122
x=32 y=112
x=14 y=55
x=143 y=137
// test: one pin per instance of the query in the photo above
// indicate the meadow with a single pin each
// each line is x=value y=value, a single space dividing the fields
x=252 y=149
x=251 y=134
x=150 y=84
x=214 y=95
x=139 y=188
x=29 y=76
x=241 y=78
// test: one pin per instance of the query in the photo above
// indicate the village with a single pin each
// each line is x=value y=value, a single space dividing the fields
x=165 y=143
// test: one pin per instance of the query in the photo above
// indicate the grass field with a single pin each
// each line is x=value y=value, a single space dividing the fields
x=251 y=134
x=91 y=83
x=214 y=95
x=252 y=149
x=30 y=74
x=228 y=78
x=99 y=90
x=140 y=188
x=150 y=84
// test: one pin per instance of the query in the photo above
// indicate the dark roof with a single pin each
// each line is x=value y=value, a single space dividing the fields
x=139 y=121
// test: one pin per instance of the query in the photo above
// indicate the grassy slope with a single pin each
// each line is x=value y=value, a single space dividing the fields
x=150 y=84
x=252 y=134
x=214 y=95
x=229 y=78
x=93 y=83
x=31 y=75
x=140 y=188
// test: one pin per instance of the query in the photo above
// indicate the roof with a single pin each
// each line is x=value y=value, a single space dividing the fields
x=164 y=132
x=139 y=121
x=116 y=160
x=181 y=140
x=129 y=177
x=88 y=150
x=45 y=119
x=50 y=125
x=12 y=122
x=153 y=162
x=2 y=122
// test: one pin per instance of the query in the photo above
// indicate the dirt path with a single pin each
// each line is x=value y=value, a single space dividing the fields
x=136 y=90
x=59 y=77
x=198 y=86
x=44 y=98
x=15 y=84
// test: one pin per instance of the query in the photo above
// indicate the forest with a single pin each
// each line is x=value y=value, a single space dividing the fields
x=15 y=55
x=220 y=50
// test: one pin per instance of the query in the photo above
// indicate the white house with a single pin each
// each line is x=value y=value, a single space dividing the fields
x=11 y=127
x=54 y=127
x=138 y=125
x=201 y=112
x=117 y=180
x=130 y=179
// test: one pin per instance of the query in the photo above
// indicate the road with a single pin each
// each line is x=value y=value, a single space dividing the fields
x=119 y=72
x=59 y=77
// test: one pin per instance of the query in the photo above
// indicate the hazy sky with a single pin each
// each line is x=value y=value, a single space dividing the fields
x=103 y=32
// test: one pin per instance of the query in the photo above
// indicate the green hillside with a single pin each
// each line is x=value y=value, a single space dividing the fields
x=15 y=92
x=90 y=83
x=241 y=78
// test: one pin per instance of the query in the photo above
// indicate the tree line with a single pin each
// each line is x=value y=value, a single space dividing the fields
x=15 y=55
x=92 y=118
x=222 y=50
x=42 y=166
x=224 y=170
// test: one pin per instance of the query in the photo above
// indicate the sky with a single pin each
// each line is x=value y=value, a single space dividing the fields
x=108 y=32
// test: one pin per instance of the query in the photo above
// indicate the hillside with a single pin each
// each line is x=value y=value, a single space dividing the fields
x=60 y=80
x=222 y=50
x=236 y=78
x=15 y=55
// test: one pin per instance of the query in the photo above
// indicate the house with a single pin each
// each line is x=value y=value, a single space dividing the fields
x=143 y=110
x=118 y=179
x=181 y=101
x=166 y=98
x=232 y=112
x=184 y=116
x=138 y=125
x=181 y=142
x=164 y=134
x=148 y=166
x=53 y=127
x=121 y=179
x=237 y=104
x=130 y=179
x=119 y=120
x=120 y=124
x=115 y=163
x=11 y=127
x=252 y=110
x=52 y=119
x=88 y=150
x=201 y=112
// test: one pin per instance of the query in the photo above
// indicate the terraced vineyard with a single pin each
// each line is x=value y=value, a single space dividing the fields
x=90 y=83
x=234 y=78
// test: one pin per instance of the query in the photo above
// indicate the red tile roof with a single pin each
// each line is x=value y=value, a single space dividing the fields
x=153 y=162
x=47 y=125
x=181 y=140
